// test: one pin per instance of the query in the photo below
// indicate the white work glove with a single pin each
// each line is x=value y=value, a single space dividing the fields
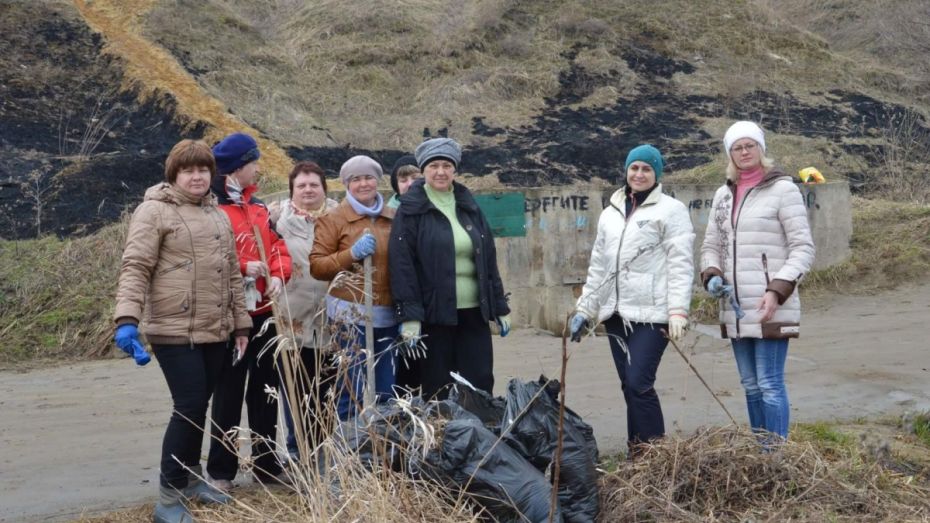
x=252 y=296
x=410 y=332
x=677 y=324
x=275 y=288
x=255 y=269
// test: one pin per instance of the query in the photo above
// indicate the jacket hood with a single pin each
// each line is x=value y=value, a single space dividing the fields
x=415 y=200
x=776 y=173
x=618 y=198
x=165 y=192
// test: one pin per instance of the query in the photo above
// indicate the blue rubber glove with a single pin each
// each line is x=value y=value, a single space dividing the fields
x=576 y=326
x=504 y=323
x=127 y=339
x=364 y=246
x=736 y=308
x=717 y=289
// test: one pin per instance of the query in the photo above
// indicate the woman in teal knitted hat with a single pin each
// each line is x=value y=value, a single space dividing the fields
x=639 y=285
x=444 y=276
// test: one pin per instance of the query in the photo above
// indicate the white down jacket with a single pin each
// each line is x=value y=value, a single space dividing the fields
x=766 y=245
x=641 y=265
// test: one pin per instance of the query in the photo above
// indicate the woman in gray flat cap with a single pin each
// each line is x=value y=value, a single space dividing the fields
x=444 y=276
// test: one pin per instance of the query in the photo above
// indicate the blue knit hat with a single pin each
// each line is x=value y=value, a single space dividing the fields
x=646 y=153
x=234 y=151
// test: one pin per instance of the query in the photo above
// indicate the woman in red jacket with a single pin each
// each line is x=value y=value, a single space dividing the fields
x=237 y=168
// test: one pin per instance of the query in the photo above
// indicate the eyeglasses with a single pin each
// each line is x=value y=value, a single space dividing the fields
x=749 y=147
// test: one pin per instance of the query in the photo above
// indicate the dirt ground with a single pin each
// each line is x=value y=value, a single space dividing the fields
x=84 y=438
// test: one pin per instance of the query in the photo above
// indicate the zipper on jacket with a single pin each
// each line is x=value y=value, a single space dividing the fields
x=735 y=221
x=626 y=222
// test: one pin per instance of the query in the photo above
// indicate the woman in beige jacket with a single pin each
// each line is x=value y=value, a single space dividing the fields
x=295 y=220
x=180 y=279
x=756 y=249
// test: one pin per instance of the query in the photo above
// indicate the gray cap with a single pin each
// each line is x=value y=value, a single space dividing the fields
x=359 y=166
x=436 y=148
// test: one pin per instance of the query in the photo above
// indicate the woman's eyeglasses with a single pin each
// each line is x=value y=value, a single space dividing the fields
x=749 y=147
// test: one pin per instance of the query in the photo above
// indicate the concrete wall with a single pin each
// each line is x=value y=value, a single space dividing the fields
x=546 y=269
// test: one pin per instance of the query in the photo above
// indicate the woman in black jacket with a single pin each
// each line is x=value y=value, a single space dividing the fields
x=444 y=276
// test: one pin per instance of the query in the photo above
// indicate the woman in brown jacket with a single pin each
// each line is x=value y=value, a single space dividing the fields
x=180 y=279
x=341 y=244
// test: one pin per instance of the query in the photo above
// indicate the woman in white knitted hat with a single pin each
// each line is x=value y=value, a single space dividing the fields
x=756 y=249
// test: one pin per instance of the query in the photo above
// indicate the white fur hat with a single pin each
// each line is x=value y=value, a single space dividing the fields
x=744 y=129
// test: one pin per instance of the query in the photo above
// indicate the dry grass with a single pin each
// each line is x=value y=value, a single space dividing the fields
x=56 y=296
x=890 y=247
x=824 y=473
x=151 y=70
x=721 y=474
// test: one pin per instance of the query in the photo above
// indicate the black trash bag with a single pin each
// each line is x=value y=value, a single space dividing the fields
x=385 y=435
x=490 y=410
x=531 y=426
x=504 y=483
x=572 y=418
x=493 y=473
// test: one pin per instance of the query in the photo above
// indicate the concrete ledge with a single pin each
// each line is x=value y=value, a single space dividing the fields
x=546 y=270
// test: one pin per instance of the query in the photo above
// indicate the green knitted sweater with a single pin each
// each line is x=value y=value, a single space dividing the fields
x=466 y=276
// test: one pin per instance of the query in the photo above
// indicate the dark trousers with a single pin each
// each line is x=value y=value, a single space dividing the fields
x=249 y=377
x=407 y=373
x=191 y=373
x=646 y=344
x=464 y=348
x=314 y=409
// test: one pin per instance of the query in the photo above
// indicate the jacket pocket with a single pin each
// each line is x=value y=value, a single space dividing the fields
x=637 y=289
x=780 y=330
x=171 y=304
x=184 y=264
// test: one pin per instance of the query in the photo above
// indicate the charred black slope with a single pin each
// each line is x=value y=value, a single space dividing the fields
x=69 y=136
x=566 y=143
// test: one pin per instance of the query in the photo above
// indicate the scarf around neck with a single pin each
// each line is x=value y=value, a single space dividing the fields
x=233 y=189
x=366 y=211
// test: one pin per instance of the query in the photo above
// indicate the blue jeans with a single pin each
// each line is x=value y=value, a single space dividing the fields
x=350 y=383
x=761 y=364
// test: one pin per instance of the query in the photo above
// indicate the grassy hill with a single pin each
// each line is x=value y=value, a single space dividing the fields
x=545 y=92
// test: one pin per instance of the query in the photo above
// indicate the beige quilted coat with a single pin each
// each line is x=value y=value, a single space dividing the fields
x=180 y=274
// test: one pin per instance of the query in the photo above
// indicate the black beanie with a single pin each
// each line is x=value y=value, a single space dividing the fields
x=407 y=159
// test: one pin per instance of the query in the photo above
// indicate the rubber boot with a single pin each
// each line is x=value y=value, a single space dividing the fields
x=201 y=491
x=169 y=508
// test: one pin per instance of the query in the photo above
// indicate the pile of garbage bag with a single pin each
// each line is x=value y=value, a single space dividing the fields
x=499 y=451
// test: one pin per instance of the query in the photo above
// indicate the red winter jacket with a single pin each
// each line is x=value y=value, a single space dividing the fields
x=243 y=217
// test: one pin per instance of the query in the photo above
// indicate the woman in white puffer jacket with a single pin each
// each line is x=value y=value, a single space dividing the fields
x=639 y=284
x=756 y=249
